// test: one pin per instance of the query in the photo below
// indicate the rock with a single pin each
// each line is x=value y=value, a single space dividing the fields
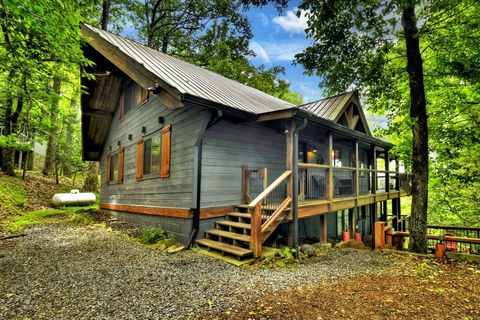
x=322 y=245
x=174 y=249
x=307 y=249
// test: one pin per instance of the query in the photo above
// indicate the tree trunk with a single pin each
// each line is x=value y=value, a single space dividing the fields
x=50 y=157
x=91 y=180
x=67 y=147
x=165 y=42
x=11 y=123
x=105 y=14
x=418 y=113
x=8 y=154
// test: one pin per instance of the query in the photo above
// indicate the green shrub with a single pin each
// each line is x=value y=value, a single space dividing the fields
x=152 y=235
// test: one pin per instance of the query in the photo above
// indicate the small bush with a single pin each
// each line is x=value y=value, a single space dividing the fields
x=152 y=235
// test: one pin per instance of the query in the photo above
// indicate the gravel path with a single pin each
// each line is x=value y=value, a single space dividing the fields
x=58 y=271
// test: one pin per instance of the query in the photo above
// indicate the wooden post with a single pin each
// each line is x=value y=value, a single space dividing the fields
x=385 y=210
x=330 y=170
x=395 y=213
x=374 y=174
x=357 y=191
x=379 y=234
x=289 y=162
x=289 y=165
x=245 y=184
x=323 y=228
x=351 y=222
x=256 y=231
x=264 y=178
x=387 y=171
x=373 y=218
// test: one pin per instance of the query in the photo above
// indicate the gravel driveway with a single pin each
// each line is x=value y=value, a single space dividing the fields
x=59 y=271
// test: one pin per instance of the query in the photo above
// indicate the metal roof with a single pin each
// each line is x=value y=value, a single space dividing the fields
x=329 y=108
x=193 y=80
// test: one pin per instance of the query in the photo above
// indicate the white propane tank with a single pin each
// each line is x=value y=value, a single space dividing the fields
x=75 y=197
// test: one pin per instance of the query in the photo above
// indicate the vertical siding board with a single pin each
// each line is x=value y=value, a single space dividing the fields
x=226 y=148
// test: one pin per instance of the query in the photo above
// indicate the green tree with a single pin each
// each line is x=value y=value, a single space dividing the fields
x=36 y=37
x=355 y=43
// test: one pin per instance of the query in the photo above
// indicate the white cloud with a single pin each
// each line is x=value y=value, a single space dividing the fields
x=285 y=50
x=259 y=51
x=307 y=90
x=263 y=19
x=291 y=23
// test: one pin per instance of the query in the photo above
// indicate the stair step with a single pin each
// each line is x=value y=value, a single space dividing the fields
x=234 y=224
x=230 y=235
x=239 y=215
x=224 y=247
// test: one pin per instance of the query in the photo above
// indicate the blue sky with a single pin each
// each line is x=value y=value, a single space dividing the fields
x=277 y=37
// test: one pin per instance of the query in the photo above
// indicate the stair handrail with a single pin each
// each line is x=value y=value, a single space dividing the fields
x=269 y=189
x=255 y=209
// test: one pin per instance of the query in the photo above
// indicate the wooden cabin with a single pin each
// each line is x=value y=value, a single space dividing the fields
x=228 y=166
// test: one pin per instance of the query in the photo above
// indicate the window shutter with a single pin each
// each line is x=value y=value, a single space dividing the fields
x=138 y=175
x=165 y=163
x=122 y=105
x=121 y=155
x=144 y=95
x=107 y=175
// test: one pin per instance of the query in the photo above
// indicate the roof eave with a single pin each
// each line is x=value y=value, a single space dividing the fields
x=195 y=100
x=337 y=128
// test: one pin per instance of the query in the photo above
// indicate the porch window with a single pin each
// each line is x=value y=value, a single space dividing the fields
x=133 y=95
x=364 y=176
x=312 y=152
x=151 y=155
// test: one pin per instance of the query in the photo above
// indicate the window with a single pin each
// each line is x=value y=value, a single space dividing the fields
x=151 y=156
x=133 y=96
x=112 y=167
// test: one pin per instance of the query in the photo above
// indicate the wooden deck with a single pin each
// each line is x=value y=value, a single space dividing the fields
x=312 y=208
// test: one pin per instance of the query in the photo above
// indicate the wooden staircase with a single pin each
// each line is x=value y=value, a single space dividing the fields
x=243 y=232
x=231 y=236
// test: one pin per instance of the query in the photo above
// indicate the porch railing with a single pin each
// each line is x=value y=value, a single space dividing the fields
x=457 y=239
x=314 y=181
x=268 y=210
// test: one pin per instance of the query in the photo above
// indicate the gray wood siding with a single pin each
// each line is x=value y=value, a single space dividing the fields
x=175 y=191
x=228 y=146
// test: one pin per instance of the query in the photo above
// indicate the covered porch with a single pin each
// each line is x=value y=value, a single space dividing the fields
x=329 y=168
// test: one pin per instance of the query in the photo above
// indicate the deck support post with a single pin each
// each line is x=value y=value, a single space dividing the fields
x=351 y=222
x=373 y=215
x=293 y=161
x=387 y=171
x=374 y=173
x=290 y=154
x=323 y=228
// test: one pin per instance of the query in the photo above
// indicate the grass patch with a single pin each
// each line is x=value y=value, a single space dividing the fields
x=18 y=223
x=77 y=215
x=14 y=195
